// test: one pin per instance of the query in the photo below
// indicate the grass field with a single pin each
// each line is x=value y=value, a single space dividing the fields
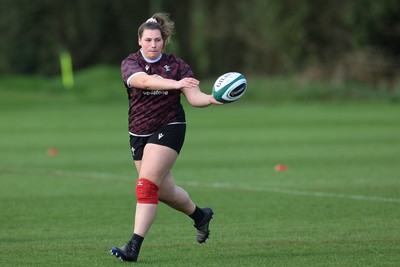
x=338 y=203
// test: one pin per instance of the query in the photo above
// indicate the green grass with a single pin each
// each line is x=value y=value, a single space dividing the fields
x=338 y=204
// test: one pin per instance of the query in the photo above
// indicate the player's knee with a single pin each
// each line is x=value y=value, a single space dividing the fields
x=146 y=192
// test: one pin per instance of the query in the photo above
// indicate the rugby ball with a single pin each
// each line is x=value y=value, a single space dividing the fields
x=229 y=87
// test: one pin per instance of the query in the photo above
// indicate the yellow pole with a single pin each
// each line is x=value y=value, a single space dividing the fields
x=66 y=70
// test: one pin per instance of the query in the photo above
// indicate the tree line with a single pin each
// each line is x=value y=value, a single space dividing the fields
x=327 y=39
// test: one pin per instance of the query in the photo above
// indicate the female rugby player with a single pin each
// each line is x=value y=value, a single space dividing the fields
x=154 y=82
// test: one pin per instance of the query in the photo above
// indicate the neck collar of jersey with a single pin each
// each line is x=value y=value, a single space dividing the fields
x=150 y=60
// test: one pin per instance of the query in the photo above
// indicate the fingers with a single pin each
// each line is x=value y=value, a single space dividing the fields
x=189 y=83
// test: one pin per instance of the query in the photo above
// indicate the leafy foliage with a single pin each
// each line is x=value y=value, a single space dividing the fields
x=326 y=40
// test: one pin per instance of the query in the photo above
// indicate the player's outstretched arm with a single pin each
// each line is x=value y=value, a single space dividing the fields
x=197 y=98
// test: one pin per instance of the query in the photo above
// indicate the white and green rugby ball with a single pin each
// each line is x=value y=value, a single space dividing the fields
x=229 y=87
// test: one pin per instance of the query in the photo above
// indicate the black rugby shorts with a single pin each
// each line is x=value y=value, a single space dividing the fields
x=171 y=136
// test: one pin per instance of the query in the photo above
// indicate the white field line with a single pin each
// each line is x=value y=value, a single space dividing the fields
x=293 y=192
x=224 y=186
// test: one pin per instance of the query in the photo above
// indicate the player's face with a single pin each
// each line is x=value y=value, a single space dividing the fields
x=152 y=43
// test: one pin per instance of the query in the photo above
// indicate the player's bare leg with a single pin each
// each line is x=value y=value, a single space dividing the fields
x=156 y=163
x=155 y=175
x=177 y=198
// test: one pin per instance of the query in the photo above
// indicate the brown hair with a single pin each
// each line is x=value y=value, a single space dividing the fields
x=164 y=24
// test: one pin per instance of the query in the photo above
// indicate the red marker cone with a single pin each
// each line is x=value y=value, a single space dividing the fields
x=52 y=152
x=280 y=167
